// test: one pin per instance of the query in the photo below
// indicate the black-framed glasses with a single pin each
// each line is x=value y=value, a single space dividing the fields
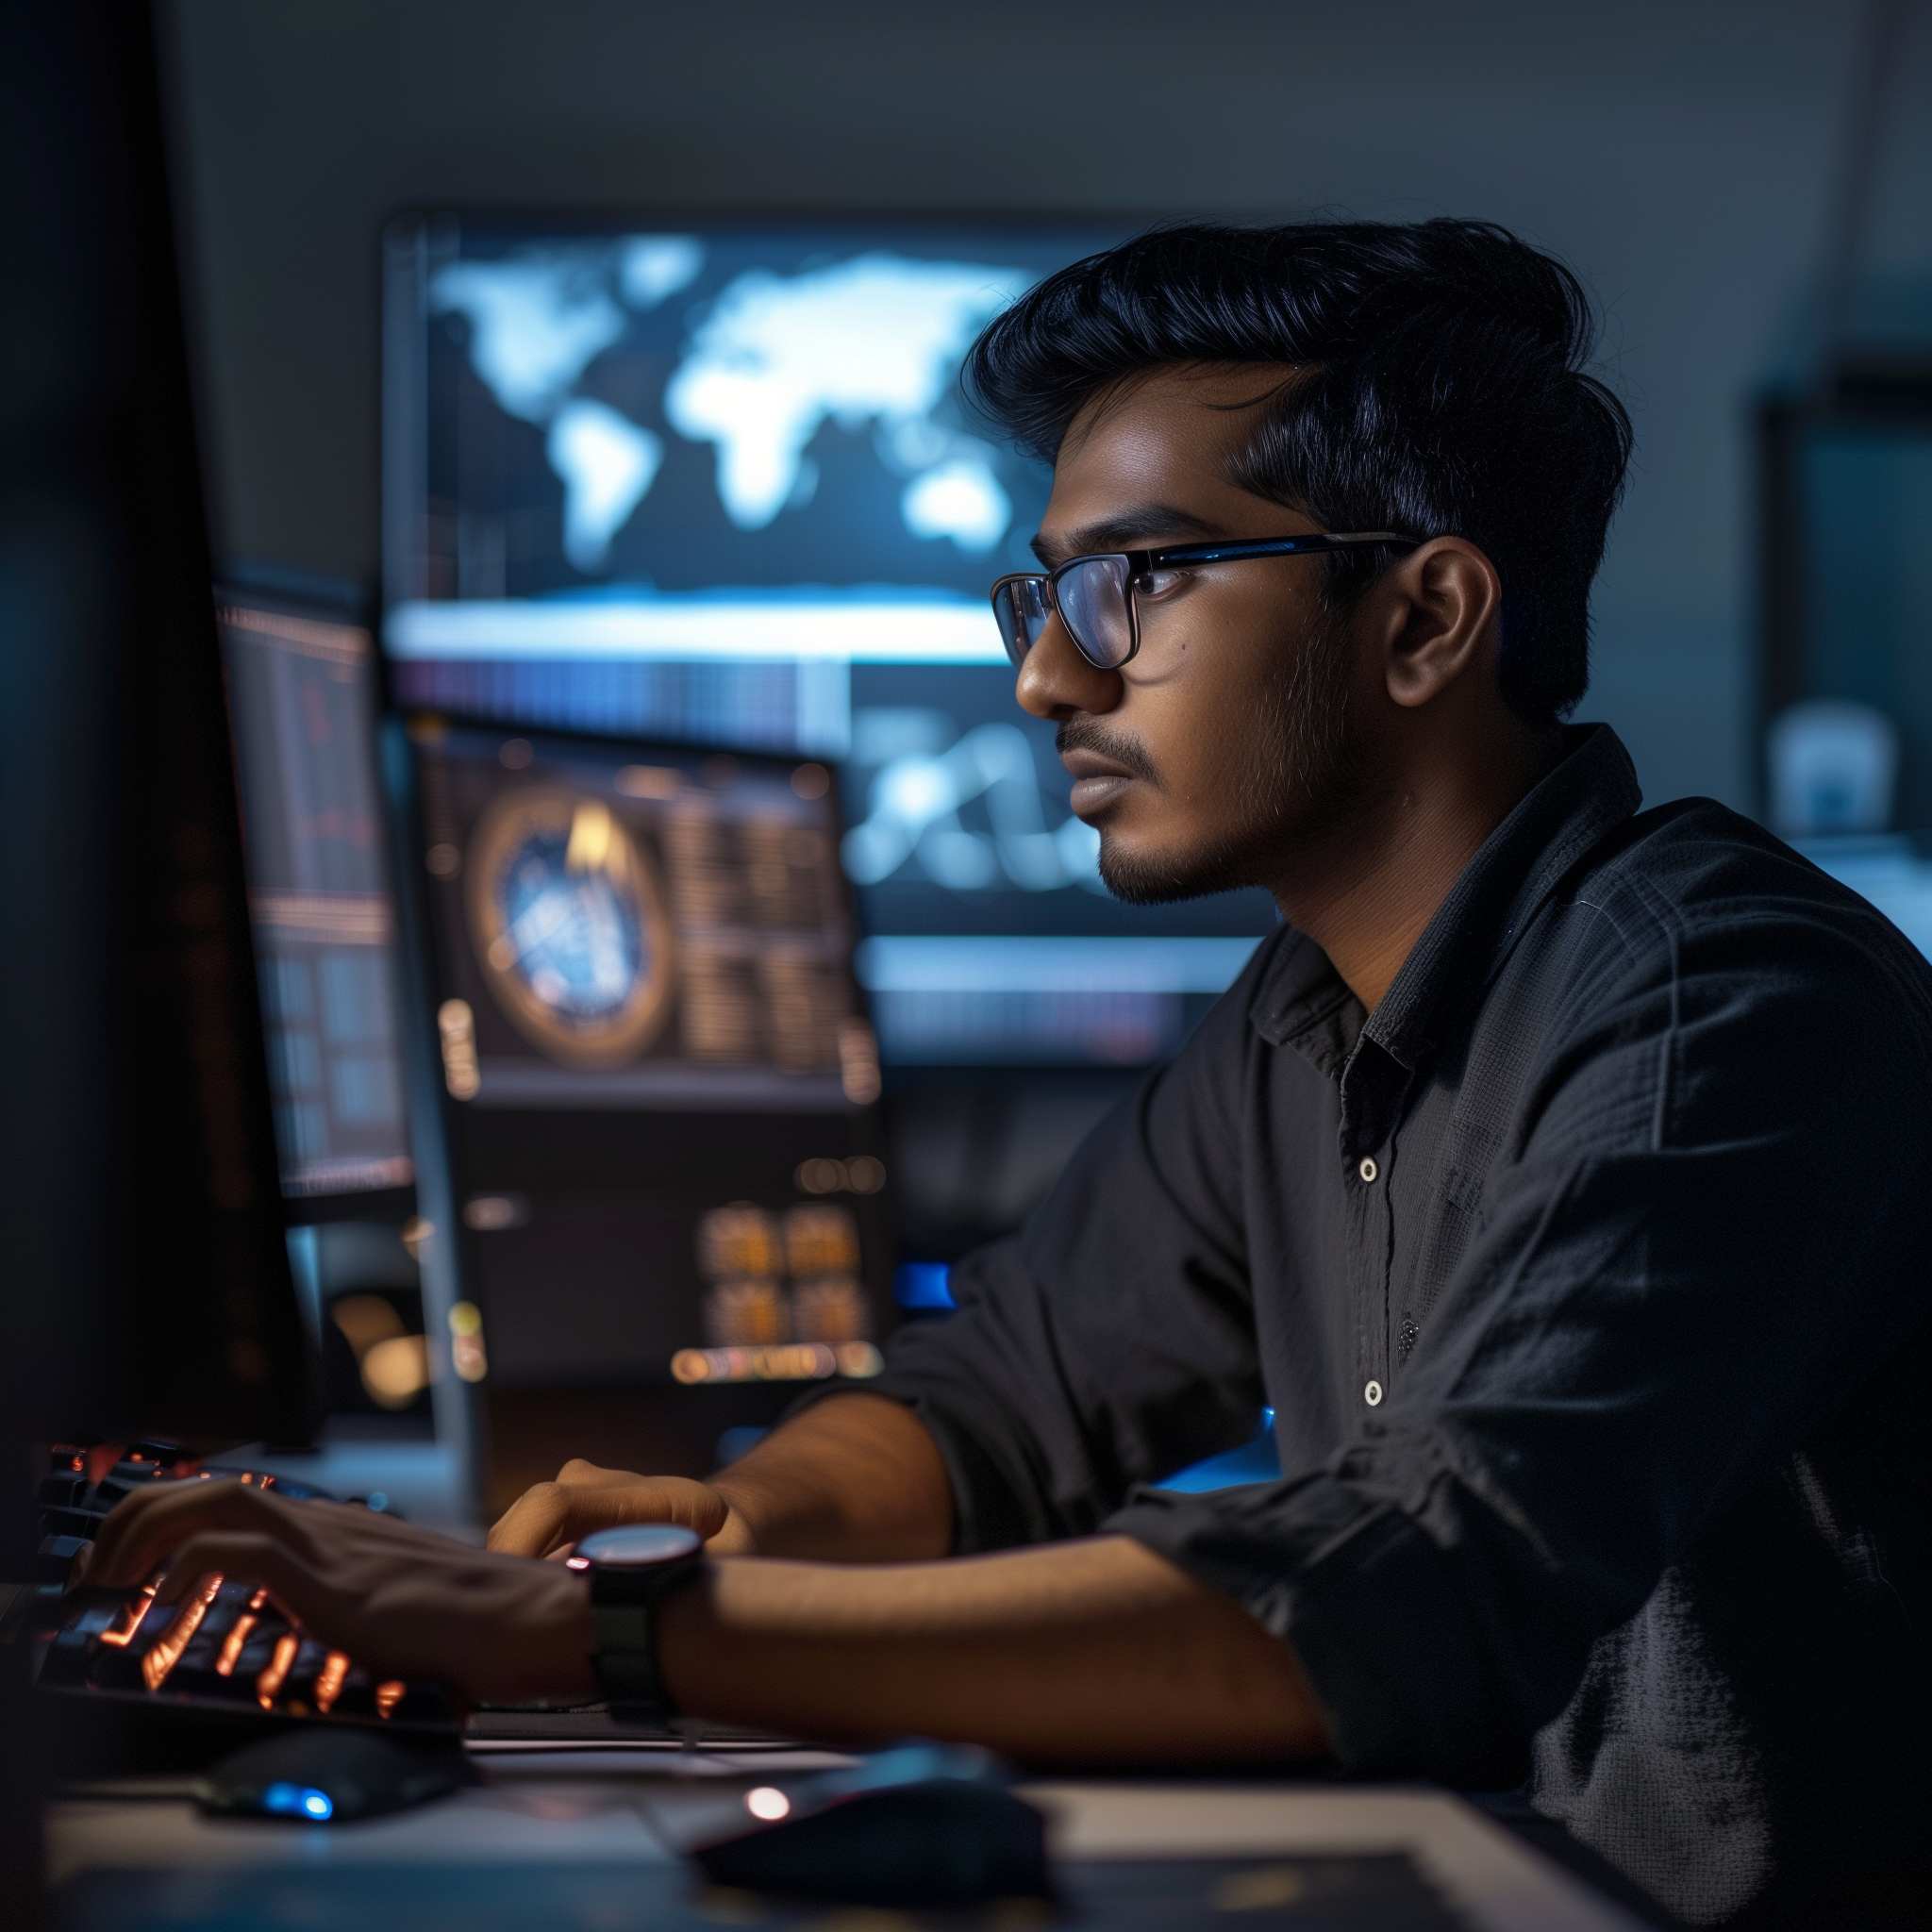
x=1097 y=598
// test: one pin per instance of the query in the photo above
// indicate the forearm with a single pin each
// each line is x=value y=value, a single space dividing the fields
x=1090 y=1652
x=857 y=1479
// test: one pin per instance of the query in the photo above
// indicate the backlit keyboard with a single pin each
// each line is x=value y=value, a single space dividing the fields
x=224 y=1648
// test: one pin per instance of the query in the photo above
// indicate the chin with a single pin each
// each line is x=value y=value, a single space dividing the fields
x=1159 y=877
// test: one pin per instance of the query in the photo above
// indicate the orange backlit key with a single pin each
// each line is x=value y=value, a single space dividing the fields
x=232 y=1650
x=167 y=1649
x=328 y=1680
x=123 y=1634
x=268 y=1686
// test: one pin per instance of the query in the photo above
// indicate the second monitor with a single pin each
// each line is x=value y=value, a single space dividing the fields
x=661 y=1087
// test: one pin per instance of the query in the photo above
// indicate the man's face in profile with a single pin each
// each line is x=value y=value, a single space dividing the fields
x=1230 y=742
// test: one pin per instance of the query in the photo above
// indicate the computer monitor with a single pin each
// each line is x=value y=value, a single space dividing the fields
x=715 y=482
x=148 y=1288
x=659 y=1085
x=301 y=698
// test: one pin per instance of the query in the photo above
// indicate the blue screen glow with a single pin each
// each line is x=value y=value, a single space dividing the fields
x=922 y=1285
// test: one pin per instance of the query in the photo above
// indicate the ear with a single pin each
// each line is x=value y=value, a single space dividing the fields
x=1444 y=602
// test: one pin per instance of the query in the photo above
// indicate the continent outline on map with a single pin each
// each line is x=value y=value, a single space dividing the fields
x=874 y=338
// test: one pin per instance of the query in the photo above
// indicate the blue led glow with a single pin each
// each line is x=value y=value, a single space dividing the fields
x=922 y=1285
x=1257 y=1460
x=298 y=1801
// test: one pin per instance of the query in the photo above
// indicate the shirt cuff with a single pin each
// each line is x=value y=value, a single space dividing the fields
x=994 y=1506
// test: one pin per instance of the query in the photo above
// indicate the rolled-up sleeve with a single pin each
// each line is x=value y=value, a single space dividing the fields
x=1112 y=1340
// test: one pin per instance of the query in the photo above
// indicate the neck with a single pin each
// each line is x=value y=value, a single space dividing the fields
x=1365 y=892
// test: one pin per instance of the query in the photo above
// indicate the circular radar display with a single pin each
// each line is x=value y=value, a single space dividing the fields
x=569 y=926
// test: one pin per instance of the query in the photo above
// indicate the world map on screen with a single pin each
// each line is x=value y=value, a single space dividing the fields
x=590 y=342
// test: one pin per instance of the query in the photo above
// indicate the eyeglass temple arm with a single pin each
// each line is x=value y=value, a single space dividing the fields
x=1263 y=546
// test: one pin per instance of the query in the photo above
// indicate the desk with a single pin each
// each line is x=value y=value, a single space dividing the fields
x=589 y=1841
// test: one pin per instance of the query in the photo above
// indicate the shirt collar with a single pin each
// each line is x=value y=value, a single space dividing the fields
x=1301 y=1001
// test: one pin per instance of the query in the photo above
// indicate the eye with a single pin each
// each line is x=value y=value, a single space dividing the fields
x=1158 y=583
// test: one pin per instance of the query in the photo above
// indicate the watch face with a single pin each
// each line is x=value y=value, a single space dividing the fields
x=569 y=926
x=638 y=1545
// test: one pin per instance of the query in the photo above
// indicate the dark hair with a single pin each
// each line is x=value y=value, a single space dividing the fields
x=1439 y=390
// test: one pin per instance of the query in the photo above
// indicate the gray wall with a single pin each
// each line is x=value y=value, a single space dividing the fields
x=1678 y=154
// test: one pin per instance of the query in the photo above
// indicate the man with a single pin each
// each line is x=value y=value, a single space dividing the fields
x=1557 y=1173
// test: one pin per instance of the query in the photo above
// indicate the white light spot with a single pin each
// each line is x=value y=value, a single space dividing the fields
x=655 y=266
x=875 y=339
x=536 y=322
x=767 y=1802
x=608 y=463
x=963 y=500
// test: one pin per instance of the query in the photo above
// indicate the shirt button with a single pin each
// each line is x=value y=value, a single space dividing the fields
x=1371 y=1394
x=1368 y=1169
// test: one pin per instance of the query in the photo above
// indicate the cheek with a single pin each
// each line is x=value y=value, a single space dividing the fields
x=1210 y=727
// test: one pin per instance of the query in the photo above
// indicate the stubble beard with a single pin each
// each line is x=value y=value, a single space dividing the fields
x=1309 y=776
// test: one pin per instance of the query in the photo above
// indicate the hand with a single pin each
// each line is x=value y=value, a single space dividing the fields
x=401 y=1600
x=551 y=1519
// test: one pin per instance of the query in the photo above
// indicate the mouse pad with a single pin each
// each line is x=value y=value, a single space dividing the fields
x=1308 y=1894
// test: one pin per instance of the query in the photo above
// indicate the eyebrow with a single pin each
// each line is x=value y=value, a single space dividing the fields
x=1130 y=530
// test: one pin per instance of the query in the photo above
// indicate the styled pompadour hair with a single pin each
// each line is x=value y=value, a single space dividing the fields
x=1435 y=383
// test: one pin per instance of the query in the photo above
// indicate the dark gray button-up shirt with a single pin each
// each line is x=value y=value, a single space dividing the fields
x=1585 y=1277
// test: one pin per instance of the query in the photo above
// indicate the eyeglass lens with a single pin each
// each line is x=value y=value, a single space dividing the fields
x=1020 y=606
x=1093 y=605
x=1094 y=601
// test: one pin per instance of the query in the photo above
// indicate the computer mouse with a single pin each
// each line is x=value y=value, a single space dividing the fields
x=923 y=1826
x=329 y=1776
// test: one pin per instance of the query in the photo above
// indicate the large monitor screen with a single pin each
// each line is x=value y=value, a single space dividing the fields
x=717 y=484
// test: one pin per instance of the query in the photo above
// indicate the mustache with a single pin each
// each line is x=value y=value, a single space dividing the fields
x=1090 y=734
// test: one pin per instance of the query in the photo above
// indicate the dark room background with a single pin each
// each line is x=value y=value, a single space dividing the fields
x=1689 y=160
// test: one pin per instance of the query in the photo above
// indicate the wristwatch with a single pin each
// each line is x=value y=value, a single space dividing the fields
x=632 y=1571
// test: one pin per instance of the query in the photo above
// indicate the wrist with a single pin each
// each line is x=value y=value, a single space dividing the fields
x=571 y=1671
x=543 y=1651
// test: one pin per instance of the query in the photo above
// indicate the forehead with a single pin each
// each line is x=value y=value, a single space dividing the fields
x=1161 y=432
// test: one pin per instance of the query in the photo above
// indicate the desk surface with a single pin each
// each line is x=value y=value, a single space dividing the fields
x=565 y=1839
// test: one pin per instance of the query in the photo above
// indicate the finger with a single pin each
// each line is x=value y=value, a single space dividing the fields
x=670 y=1499
x=528 y=1527
x=551 y=1518
x=147 y=1528
x=168 y=1523
x=238 y=1556
x=578 y=1471
x=131 y=1519
x=114 y=1533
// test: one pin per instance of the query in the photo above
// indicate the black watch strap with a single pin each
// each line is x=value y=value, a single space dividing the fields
x=626 y=1659
x=632 y=1571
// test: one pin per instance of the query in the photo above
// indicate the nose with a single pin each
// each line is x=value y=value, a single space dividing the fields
x=1055 y=681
